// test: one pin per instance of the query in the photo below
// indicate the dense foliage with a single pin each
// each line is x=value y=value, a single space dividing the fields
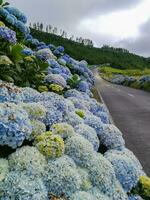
x=120 y=59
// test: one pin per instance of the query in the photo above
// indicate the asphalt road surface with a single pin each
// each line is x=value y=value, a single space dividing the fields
x=130 y=110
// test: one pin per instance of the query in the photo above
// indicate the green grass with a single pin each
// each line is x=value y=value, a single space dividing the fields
x=95 y=56
x=110 y=72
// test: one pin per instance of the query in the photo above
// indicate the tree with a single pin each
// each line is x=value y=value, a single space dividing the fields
x=41 y=27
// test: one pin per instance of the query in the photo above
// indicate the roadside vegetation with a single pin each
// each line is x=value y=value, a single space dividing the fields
x=136 y=78
x=116 y=57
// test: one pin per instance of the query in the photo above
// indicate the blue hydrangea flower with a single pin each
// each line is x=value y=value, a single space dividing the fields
x=95 y=123
x=111 y=137
x=22 y=186
x=83 y=86
x=88 y=133
x=73 y=93
x=102 y=174
x=135 y=197
x=79 y=149
x=53 y=114
x=56 y=79
x=62 y=178
x=30 y=95
x=29 y=37
x=52 y=47
x=11 y=19
x=127 y=168
x=9 y=93
x=21 y=27
x=16 y=12
x=15 y=125
x=97 y=194
x=80 y=195
x=29 y=160
x=35 y=42
x=55 y=100
x=27 y=52
x=78 y=103
x=60 y=49
x=73 y=119
x=3 y=12
x=8 y=34
x=45 y=54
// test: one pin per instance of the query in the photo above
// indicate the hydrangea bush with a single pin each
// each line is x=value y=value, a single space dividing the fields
x=50 y=139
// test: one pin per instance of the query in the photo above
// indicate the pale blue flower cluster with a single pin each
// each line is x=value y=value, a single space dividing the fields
x=127 y=167
x=111 y=137
x=89 y=133
x=15 y=18
x=27 y=52
x=9 y=93
x=15 y=126
x=16 y=12
x=21 y=186
x=62 y=178
x=56 y=79
x=8 y=35
x=29 y=160
x=135 y=197
x=79 y=149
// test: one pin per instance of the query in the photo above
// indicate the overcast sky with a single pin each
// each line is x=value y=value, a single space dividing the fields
x=120 y=23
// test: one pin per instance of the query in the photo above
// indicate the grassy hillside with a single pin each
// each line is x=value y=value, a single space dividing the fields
x=122 y=60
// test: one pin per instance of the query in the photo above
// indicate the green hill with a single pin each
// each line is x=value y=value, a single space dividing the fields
x=118 y=58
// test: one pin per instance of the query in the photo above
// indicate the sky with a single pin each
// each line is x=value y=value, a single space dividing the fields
x=118 y=23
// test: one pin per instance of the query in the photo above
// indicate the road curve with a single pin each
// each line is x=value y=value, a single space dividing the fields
x=130 y=110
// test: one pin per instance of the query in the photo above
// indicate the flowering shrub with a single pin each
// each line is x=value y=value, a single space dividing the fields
x=8 y=35
x=50 y=145
x=89 y=134
x=21 y=186
x=15 y=125
x=56 y=79
x=62 y=178
x=127 y=168
x=38 y=128
x=111 y=137
x=63 y=129
x=56 y=88
x=9 y=93
x=34 y=110
x=45 y=54
x=29 y=160
x=79 y=149
x=59 y=129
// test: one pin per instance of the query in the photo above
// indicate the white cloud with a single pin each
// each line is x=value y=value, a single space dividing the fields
x=119 y=25
x=112 y=22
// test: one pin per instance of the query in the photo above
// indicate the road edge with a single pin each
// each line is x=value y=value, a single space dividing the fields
x=97 y=76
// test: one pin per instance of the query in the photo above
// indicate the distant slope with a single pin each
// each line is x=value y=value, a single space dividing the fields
x=124 y=60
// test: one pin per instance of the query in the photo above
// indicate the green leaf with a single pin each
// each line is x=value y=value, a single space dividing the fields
x=1 y=2
x=8 y=78
x=16 y=52
x=18 y=68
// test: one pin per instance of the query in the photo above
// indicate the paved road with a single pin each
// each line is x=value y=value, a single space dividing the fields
x=130 y=110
